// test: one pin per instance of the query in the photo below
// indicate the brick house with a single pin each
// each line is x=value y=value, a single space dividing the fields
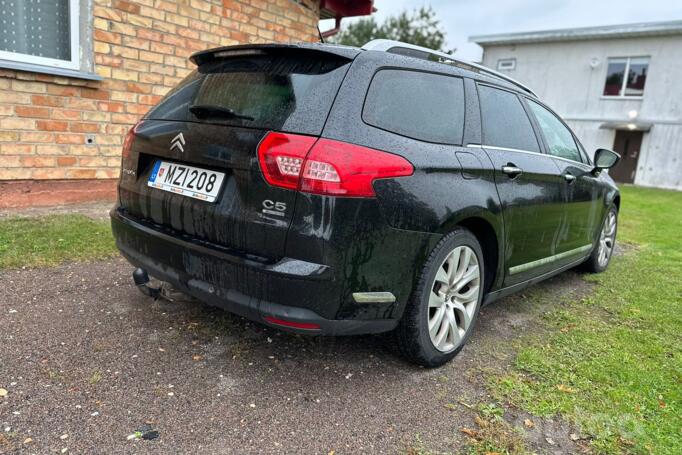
x=76 y=74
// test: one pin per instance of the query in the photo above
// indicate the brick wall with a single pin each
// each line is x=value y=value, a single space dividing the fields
x=141 y=50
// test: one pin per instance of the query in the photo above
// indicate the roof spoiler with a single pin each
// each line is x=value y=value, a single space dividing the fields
x=244 y=50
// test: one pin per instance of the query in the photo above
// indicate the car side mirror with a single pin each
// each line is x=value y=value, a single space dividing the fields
x=604 y=159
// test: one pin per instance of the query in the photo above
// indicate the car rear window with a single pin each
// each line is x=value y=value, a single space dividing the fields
x=504 y=120
x=286 y=93
x=424 y=106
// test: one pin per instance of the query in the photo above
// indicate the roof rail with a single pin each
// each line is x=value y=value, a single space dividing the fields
x=410 y=50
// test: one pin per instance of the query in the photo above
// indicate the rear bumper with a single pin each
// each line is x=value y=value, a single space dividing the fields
x=288 y=289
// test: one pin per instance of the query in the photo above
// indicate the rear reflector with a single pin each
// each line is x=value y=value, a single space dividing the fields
x=325 y=166
x=292 y=324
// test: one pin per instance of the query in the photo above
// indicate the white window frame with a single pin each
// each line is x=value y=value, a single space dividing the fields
x=502 y=61
x=73 y=64
x=626 y=73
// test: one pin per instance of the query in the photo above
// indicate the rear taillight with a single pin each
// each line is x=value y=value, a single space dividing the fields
x=128 y=141
x=281 y=158
x=325 y=166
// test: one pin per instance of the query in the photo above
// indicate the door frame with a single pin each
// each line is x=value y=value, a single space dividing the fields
x=515 y=274
x=575 y=243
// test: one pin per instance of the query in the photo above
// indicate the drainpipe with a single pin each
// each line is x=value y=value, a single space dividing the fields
x=333 y=31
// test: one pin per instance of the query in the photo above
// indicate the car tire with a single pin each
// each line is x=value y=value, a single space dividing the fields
x=597 y=262
x=438 y=285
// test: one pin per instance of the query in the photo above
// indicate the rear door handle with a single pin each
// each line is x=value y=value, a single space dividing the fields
x=570 y=178
x=511 y=170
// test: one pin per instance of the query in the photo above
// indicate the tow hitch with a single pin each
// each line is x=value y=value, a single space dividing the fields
x=141 y=279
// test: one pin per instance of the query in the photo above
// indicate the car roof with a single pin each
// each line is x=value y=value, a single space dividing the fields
x=395 y=53
x=455 y=69
x=426 y=54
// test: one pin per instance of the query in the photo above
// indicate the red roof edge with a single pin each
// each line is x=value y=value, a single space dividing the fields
x=345 y=8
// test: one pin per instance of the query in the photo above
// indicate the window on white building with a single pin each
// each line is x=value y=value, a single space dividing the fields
x=41 y=32
x=626 y=76
x=506 y=64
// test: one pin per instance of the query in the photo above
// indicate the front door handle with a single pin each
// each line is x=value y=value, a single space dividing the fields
x=570 y=178
x=511 y=170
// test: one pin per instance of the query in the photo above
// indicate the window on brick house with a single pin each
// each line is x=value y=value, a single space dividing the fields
x=40 y=32
x=626 y=76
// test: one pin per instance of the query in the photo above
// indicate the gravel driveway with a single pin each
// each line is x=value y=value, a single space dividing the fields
x=87 y=360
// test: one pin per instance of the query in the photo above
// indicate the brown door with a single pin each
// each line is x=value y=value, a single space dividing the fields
x=627 y=144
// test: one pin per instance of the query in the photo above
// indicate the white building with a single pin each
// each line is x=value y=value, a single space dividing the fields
x=618 y=87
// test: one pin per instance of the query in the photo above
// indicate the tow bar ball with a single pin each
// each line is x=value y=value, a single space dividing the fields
x=141 y=279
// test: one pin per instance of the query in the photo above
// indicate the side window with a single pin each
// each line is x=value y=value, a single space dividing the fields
x=504 y=121
x=583 y=153
x=559 y=138
x=423 y=106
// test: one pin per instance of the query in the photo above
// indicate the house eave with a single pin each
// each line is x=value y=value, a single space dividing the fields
x=645 y=29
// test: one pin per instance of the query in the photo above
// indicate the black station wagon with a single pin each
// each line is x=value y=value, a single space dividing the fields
x=332 y=190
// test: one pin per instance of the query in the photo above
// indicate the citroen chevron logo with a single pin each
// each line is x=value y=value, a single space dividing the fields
x=178 y=142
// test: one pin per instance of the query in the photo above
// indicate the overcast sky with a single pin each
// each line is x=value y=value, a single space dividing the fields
x=463 y=18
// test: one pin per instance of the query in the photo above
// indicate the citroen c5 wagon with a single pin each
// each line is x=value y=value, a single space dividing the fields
x=332 y=190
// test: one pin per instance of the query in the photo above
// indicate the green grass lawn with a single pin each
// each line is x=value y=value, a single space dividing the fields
x=612 y=363
x=52 y=240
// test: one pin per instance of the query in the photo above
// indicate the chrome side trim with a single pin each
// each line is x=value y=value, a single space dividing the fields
x=494 y=295
x=548 y=260
x=508 y=149
x=373 y=297
x=573 y=161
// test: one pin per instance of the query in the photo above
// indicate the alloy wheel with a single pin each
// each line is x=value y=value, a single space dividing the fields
x=453 y=299
x=607 y=239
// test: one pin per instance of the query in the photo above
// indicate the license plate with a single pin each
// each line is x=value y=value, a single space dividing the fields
x=186 y=180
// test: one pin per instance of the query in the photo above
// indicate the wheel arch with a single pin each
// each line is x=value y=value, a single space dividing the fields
x=488 y=239
x=612 y=196
x=488 y=230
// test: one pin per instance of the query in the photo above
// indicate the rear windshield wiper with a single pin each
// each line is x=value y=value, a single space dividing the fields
x=207 y=110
